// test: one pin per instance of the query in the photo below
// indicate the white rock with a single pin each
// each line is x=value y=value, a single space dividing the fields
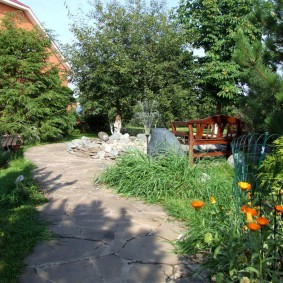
x=101 y=154
x=107 y=147
x=125 y=137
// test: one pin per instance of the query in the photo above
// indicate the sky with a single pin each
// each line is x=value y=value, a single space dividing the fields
x=53 y=14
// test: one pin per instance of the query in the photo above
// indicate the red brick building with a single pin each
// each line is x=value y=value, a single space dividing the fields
x=30 y=20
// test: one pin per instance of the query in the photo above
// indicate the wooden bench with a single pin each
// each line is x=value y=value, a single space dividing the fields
x=218 y=131
x=11 y=141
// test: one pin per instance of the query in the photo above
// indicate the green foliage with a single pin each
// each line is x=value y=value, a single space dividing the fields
x=211 y=26
x=33 y=101
x=263 y=97
x=271 y=170
x=4 y=155
x=256 y=255
x=20 y=227
x=163 y=178
x=129 y=53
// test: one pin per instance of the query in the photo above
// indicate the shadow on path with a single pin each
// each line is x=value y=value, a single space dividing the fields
x=99 y=236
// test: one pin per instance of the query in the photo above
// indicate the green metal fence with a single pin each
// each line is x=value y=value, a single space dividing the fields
x=248 y=153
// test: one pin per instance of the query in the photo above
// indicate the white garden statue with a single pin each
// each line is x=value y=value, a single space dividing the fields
x=116 y=127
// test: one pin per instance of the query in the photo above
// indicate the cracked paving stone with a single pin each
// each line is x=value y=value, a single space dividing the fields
x=149 y=273
x=83 y=271
x=63 y=250
x=149 y=249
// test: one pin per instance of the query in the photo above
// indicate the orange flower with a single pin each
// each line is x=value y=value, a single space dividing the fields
x=262 y=221
x=253 y=226
x=278 y=208
x=212 y=200
x=252 y=211
x=243 y=208
x=197 y=204
x=245 y=186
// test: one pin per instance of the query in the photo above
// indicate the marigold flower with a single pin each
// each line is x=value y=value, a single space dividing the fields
x=197 y=204
x=245 y=186
x=252 y=211
x=253 y=226
x=212 y=200
x=278 y=208
x=262 y=221
x=249 y=217
x=243 y=208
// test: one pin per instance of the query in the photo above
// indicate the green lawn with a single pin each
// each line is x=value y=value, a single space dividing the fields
x=20 y=227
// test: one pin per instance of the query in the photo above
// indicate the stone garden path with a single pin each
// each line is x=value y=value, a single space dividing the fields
x=99 y=236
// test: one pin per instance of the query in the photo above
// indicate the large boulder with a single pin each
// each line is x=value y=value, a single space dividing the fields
x=162 y=141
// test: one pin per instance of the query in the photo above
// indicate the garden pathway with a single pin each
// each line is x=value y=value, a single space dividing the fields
x=99 y=236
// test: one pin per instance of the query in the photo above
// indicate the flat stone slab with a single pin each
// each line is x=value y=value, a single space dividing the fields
x=99 y=236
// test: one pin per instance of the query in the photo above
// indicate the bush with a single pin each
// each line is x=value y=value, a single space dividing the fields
x=4 y=155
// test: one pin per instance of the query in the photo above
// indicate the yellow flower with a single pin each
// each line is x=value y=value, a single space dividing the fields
x=197 y=204
x=245 y=280
x=212 y=200
x=249 y=217
x=245 y=186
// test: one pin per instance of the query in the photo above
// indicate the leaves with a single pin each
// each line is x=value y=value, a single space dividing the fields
x=33 y=101
x=128 y=53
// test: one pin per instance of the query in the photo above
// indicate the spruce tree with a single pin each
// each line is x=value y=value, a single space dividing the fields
x=33 y=101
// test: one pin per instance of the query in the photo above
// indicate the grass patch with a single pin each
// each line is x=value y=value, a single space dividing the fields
x=20 y=227
x=169 y=177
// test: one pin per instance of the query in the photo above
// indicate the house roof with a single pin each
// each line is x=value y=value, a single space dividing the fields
x=28 y=11
x=18 y=3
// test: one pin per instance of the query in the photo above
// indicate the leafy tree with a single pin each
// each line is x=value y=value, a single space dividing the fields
x=211 y=25
x=33 y=101
x=129 y=53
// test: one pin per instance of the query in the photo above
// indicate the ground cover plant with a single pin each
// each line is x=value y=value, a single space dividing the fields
x=20 y=228
x=237 y=243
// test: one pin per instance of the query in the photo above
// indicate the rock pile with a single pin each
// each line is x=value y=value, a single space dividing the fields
x=106 y=147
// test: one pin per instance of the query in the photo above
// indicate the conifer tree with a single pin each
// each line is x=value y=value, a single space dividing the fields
x=33 y=101
x=262 y=100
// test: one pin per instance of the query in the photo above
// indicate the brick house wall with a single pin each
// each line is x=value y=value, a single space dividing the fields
x=30 y=21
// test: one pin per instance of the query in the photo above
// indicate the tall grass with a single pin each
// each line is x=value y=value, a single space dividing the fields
x=169 y=176
x=20 y=227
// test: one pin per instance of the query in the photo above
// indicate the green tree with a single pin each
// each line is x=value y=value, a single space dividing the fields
x=211 y=25
x=262 y=99
x=33 y=101
x=129 y=53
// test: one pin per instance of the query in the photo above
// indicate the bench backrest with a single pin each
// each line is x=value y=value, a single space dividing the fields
x=11 y=141
x=214 y=127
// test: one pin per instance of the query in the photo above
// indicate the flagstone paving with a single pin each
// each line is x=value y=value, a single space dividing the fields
x=99 y=236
